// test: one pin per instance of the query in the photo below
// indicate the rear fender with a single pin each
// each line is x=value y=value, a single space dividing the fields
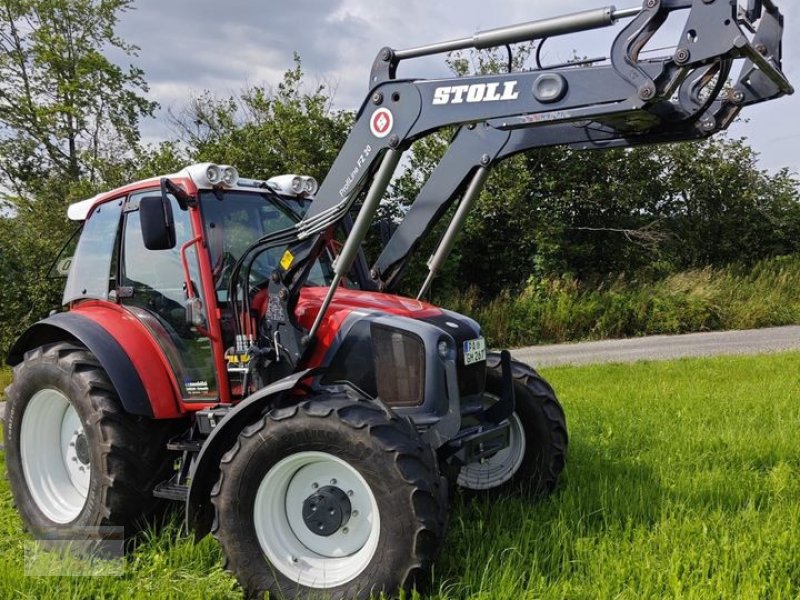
x=124 y=350
x=205 y=469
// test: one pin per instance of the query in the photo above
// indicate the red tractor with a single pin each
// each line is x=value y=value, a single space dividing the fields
x=218 y=348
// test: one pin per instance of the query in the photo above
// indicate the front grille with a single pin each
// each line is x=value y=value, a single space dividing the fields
x=399 y=366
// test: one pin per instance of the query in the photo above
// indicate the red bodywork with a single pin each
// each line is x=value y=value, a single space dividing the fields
x=344 y=303
x=146 y=355
x=149 y=359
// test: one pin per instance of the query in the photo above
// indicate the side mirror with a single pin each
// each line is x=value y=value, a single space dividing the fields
x=158 y=225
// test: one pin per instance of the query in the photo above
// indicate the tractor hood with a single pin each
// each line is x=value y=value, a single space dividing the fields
x=347 y=301
x=350 y=307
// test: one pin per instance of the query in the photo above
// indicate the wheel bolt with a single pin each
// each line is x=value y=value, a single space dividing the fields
x=72 y=444
x=349 y=492
x=294 y=559
x=355 y=513
x=74 y=459
x=314 y=486
x=345 y=530
x=333 y=482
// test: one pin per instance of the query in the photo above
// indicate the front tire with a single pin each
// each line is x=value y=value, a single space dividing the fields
x=368 y=473
x=76 y=460
x=537 y=449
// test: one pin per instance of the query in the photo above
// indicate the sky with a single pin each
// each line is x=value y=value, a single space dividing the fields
x=191 y=46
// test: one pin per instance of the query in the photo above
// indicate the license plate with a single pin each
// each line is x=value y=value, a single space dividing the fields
x=474 y=351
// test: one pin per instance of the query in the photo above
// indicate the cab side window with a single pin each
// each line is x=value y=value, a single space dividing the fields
x=155 y=276
x=91 y=274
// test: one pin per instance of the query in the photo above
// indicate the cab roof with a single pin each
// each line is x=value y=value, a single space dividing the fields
x=201 y=176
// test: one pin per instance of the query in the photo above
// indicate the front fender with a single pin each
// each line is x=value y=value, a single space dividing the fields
x=130 y=357
x=105 y=348
x=205 y=468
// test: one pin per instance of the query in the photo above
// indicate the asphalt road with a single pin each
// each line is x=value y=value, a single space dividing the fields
x=663 y=347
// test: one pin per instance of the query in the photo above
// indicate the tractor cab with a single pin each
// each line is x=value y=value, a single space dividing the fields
x=168 y=261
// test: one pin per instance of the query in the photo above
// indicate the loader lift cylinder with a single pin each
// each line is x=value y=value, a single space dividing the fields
x=439 y=257
x=352 y=245
x=532 y=30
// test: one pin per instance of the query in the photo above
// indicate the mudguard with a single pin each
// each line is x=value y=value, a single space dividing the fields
x=205 y=469
x=129 y=356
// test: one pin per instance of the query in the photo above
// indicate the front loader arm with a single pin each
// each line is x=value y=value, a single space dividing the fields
x=627 y=93
x=696 y=112
x=478 y=147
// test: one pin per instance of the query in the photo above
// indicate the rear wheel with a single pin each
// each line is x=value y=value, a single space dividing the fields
x=332 y=497
x=537 y=447
x=76 y=461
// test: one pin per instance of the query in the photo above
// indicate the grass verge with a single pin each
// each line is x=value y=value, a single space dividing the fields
x=683 y=481
x=563 y=309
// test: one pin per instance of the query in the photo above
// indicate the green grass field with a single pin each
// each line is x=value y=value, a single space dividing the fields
x=683 y=481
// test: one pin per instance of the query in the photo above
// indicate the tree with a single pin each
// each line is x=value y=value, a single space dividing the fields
x=69 y=127
x=65 y=108
x=266 y=131
x=719 y=207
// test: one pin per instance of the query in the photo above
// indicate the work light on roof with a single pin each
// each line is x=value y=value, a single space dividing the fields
x=213 y=175
x=230 y=176
x=297 y=185
x=294 y=185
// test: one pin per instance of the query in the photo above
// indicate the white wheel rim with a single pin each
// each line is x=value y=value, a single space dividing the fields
x=57 y=477
x=499 y=468
x=302 y=556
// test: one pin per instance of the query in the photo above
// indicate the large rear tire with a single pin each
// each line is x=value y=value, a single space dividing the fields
x=368 y=473
x=76 y=460
x=537 y=451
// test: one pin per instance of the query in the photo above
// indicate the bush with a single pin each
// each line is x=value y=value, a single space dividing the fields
x=562 y=309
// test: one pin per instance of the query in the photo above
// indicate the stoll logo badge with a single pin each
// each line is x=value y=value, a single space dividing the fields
x=381 y=122
x=477 y=92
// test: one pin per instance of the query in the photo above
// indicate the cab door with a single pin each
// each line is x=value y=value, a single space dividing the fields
x=152 y=287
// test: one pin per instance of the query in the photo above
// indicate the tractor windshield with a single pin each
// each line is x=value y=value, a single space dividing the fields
x=234 y=220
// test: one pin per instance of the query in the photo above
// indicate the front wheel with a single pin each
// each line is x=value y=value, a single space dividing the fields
x=537 y=447
x=76 y=460
x=333 y=497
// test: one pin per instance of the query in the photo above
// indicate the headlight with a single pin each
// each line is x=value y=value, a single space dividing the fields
x=399 y=366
